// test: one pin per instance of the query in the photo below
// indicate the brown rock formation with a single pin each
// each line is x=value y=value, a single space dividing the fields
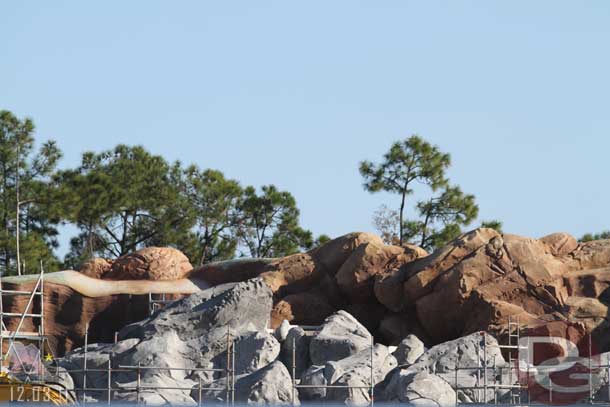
x=150 y=263
x=96 y=267
x=476 y=282
x=72 y=300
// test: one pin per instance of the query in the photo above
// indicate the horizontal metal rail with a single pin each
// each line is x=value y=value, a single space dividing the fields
x=20 y=292
x=189 y=369
x=26 y=315
x=330 y=386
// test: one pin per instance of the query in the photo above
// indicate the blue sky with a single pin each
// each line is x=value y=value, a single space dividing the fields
x=297 y=93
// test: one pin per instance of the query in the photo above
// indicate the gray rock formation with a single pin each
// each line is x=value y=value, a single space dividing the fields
x=191 y=333
x=419 y=388
x=409 y=350
x=341 y=336
x=354 y=371
x=297 y=337
x=270 y=385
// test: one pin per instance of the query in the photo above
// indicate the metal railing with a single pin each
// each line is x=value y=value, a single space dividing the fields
x=296 y=386
x=112 y=389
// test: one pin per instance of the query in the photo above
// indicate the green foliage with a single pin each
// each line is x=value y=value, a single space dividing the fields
x=492 y=224
x=124 y=199
x=320 y=240
x=269 y=223
x=26 y=194
x=411 y=160
x=595 y=236
x=214 y=202
x=440 y=217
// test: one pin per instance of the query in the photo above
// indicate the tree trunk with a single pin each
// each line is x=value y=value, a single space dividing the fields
x=402 y=208
x=7 y=257
x=17 y=220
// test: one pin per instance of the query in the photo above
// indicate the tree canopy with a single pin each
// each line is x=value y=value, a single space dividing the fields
x=269 y=223
x=122 y=199
x=439 y=217
x=28 y=213
x=126 y=198
x=595 y=236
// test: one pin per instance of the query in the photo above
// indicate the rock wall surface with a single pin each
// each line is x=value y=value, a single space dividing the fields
x=476 y=282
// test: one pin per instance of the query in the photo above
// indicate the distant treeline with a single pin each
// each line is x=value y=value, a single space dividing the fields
x=127 y=198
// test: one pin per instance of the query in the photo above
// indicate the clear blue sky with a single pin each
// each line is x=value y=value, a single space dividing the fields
x=297 y=93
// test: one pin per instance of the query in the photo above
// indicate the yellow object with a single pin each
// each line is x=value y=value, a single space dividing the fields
x=14 y=391
x=48 y=357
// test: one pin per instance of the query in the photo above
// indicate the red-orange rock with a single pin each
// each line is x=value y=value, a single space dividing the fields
x=356 y=276
x=293 y=273
x=590 y=255
x=232 y=271
x=400 y=287
x=151 y=263
x=335 y=252
x=560 y=244
x=96 y=267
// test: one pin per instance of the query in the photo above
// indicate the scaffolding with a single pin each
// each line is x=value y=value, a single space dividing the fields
x=516 y=386
x=156 y=302
x=9 y=338
x=112 y=389
x=296 y=385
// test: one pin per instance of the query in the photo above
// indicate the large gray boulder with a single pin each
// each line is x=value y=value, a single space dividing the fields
x=271 y=385
x=298 y=338
x=419 y=388
x=409 y=350
x=465 y=352
x=314 y=378
x=341 y=336
x=191 y=333
x=354 y=371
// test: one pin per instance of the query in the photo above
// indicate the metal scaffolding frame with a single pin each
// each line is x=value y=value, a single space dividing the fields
x=80 y=393
x=156 y=303
x=18 y=335
x=487 y=372
x=296 y=385
x=520 y=387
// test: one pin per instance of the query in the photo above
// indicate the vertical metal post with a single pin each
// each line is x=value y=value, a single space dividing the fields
x=457 y=368
x=478 y=392
x=199 y=396
x=232 y=370
x=85 y=364
x=484 y=367
x=590 y=373
x=294 y=371
x=138 y=382
x=41 y=327
x=608 y=375
x=228 y=370
x=528 y=374
x=109 y=390
x=372 y=392
x=496 y=381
